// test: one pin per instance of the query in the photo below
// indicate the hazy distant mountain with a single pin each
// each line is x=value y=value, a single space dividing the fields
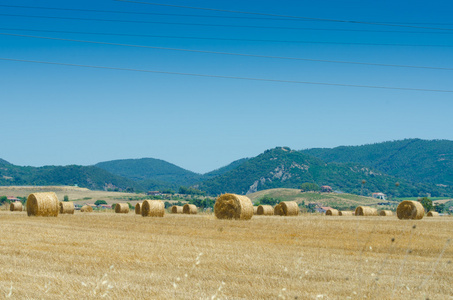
x=413 y=159
x=285 y=168
x=153 y=172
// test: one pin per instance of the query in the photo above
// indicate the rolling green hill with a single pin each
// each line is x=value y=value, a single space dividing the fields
x=334 y=200
x=413 y=159
x=285 y=168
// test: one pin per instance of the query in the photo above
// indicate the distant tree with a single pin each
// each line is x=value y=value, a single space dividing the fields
x=440 y=208
x=268 y=200
x=168 y=191
x=427 y=203
x=65 y=198
x=3 y=199
x=130 y=205
x=190 y=191
x=309 y=187
x=167 y=204
x=100 y=202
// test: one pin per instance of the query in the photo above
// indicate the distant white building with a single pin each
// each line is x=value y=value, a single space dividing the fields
x=379 y=196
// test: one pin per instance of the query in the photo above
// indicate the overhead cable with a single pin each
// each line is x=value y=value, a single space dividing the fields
x=220 y=25
x=230 y=77
x=283 y=16
x=228 y=53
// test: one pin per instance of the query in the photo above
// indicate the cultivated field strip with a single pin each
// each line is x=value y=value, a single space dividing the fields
x=126 y=256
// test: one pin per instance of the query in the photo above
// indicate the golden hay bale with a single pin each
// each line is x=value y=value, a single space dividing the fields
x=255 y=210
x=175 y=209
x=43 y=204
x=332 y=212
x=278 y=211
x=345 y=213
x=410 y=210
x=122 y=208
x=86 y=208
x=386 y=213
x=232 y=206
x=365 y=211
x=67 y=208
x=189 y=209
x=138 y=209
x=265 y=210
x=286 y=208
x=153 y=208
x=15 y=206
x=432 y=214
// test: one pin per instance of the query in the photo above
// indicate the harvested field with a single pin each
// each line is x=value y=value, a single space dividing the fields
x=86 y=256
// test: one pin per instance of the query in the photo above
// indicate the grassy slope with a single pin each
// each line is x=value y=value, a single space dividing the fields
x=88 y=256
x=327 y=199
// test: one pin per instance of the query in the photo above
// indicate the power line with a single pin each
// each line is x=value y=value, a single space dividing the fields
x=281 y=16
x=229 y=77
x=220 y=25
x=185 y=15
x=229 y=53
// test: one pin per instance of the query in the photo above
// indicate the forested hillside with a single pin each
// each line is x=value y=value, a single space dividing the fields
x=83 y=176
x=413 y=159
x=285 y=168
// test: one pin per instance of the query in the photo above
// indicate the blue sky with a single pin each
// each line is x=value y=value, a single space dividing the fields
x=60 y=115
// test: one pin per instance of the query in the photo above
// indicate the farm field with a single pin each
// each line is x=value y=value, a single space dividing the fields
x=74 y=193
x=127 y=256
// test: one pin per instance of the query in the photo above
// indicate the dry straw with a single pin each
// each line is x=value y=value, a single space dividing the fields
x=189 y=209
x=15 y=206
x=410 y=210
x=122 y=208
x=255 y=210
x=345 y=213
x=43 y=204
x=278 y=211
x=365 y=211
x=432 y=214
x=138 y=209
x=386 y=213
x=232 y=206
x=332 y=212
x=175 y=209
x=86 y=208
x=153 y=208
x=265 y=210
x=67 y=208
x=286 y=208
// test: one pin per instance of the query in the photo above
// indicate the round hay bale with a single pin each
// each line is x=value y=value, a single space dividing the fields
x=288 y=208
x=67 y=208
x=86 y=208
x=15 y=206
x=332 y=212
x=345 y=213
x=265 y=210
x=386 y=213
x=43 y=204
x=255 y=210
x=232 y=206
x=278 y=211
x=410 y=210
x=122 y=208
x=153 y=208
x=138 y=209
x=189 y=209
x=365 y=211
x=432 y=214
x=175 y=209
